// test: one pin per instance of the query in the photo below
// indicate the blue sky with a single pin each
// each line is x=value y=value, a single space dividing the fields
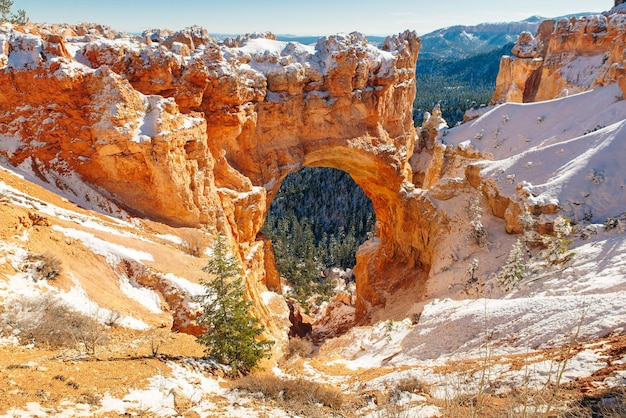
x=320 y=17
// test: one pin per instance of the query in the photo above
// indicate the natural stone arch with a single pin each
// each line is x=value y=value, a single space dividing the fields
x=407 y=219
x=397 y=249
x=351 y=118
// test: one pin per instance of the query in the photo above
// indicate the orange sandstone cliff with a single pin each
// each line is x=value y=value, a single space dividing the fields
x=563 y=58
x=178 y=128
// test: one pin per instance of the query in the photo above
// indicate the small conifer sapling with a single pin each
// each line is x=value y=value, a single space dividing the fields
x=514 y=271
x=478 y=233
x=555 y=246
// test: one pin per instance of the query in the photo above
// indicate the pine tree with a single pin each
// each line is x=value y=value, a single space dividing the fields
x=514 y=271
x=555 y=246
x=18 y=18
x=232 y=335
x=478 y=233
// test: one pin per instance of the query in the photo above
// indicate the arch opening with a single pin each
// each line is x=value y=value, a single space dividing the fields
x=317 y=220
x=396 y=261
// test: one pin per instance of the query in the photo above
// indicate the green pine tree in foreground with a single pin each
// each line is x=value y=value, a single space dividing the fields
x=232 y=335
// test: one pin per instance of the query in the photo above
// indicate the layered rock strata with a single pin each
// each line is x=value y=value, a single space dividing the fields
x=181 y=129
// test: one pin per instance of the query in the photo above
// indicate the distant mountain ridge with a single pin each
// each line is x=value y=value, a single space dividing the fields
x=461 y=41
x=453 y=42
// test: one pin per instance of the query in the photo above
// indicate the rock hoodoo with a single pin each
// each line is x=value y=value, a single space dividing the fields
x=563 y=58
x=182 y=129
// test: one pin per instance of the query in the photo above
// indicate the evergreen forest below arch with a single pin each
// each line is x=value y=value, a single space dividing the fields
x=317 y=221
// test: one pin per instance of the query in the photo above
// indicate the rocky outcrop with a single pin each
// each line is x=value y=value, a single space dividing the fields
x=178 y=128
x=563 y=58
x=140 y=150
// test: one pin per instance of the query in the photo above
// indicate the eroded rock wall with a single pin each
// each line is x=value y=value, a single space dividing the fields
x=564 y=58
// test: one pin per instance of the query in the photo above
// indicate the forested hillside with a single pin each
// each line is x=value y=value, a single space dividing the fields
x=460 y=42
x=457 y=84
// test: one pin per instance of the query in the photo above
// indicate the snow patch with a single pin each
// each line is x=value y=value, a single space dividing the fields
x=171 y=238
x=112 y=252
x=10 y=144
x=26 y=51
x=144 y=296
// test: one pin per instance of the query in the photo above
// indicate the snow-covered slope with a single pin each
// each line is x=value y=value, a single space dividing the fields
x=566 y=151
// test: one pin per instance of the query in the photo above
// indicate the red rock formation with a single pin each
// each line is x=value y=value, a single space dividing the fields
x=267 y=109
x=564 y=58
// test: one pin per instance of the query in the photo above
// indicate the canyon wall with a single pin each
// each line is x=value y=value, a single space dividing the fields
x=184 y=130
x=564 y=58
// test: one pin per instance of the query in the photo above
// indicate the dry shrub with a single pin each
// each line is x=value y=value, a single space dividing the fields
x=266 y=383
x=193 y=243
x=390 y=405
x=300 y=396
x=413 y=385
x=89 y=399
x=46 y=321
x=45 y=266
x=156 y=340
x=18 y=366
x=297 y=346
x=73 y=384
x=112 y=319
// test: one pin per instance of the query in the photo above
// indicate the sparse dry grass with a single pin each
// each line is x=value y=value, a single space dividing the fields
x=45 y=321
x=297 y=346
x=52 y=377
x=299 y=396
x=610 y=404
